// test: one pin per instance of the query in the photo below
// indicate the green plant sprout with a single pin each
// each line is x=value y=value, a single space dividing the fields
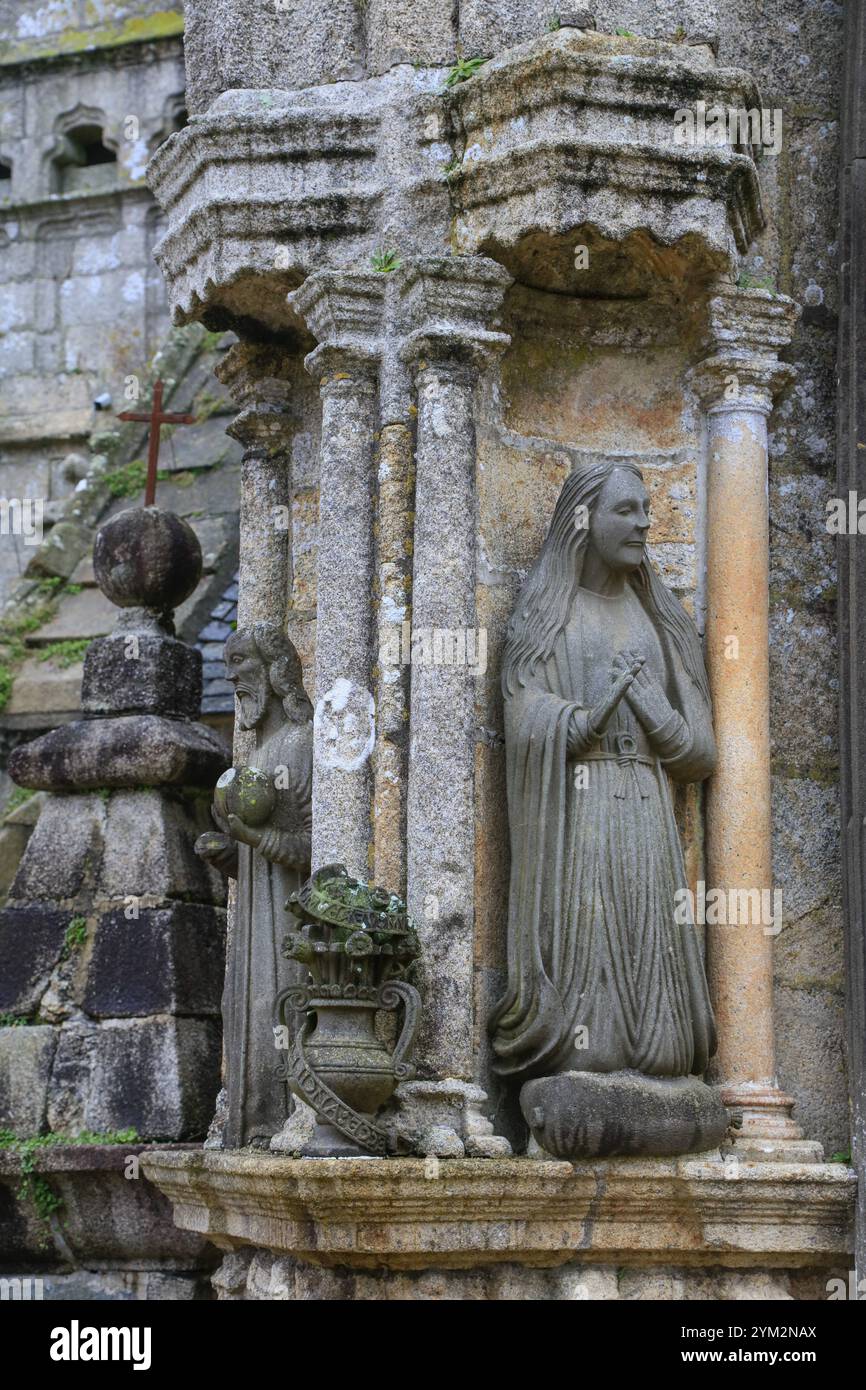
x=463 y=69
x=385 y=261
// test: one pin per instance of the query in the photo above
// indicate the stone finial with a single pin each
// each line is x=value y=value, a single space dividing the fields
x=141 y=689
x=147 y=558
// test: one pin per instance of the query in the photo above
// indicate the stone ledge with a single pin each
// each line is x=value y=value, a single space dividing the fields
x=410 y=1213
x=105 y=1218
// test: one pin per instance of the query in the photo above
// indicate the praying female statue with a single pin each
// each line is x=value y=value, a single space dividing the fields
x=606 y=1020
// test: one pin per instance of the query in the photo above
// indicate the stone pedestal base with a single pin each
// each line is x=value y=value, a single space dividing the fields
x=446 y=1119
x=512 y=1227
x=582 y=1114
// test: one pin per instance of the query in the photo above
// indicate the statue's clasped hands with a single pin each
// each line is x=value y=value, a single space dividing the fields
x=644 y=694
x=623 y=674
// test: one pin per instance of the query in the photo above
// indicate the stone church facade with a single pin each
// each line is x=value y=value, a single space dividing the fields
x=440 y=259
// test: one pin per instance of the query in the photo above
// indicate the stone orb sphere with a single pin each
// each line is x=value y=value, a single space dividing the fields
x=245 y=792
x=147 y=558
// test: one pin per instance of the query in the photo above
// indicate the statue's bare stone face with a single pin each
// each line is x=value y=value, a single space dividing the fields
x=620 y=521
x=248 y=674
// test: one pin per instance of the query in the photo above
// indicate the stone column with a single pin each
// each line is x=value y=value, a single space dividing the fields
x=344 y=310
x=736 y=385
x=395 y=508
x=257 y=379
x=447 y=306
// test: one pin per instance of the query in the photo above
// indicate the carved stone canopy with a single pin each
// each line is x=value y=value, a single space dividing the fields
x=568 y=139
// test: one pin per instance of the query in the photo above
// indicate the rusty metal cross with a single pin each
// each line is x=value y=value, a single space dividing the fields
x=157 y=417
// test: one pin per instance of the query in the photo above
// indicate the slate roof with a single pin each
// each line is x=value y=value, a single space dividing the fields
x=217 y=694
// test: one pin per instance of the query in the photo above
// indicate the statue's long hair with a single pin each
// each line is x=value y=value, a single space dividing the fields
x=545 y=600
x=284 y=669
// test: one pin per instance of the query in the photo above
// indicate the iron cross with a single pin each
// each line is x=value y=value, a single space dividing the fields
x=157 y=417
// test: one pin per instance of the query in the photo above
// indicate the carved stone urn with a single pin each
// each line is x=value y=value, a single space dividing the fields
x=357 y=942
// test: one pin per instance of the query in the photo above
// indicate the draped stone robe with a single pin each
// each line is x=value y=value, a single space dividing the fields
x=601 y=975
x=257 y=1104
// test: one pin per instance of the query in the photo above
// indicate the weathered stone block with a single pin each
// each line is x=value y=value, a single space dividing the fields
x=112 y=1217
x=45 y=688
x=26 y=1055
x=31 y=943
x=63 y=848
x=149 y=839
x=88 y=614
x=60 y=552
x=121 y=752
x=141 y=673
x=159 y=1077
x=167 y=961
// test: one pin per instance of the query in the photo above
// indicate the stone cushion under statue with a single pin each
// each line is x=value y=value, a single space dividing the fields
x=606 y=698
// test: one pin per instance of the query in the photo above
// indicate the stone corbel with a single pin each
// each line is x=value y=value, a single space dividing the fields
x=737 y=385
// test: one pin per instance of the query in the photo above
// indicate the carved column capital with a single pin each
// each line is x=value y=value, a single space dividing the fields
x=345 y=311
x=257 y=378
x=448 y=309
x=748 y=329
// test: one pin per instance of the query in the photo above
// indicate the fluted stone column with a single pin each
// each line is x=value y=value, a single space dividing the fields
x=344 y=310
x=447 y=309
x=737 y=385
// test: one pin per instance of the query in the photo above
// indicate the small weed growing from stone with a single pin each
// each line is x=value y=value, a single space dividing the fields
x=463 y=69
x=64 y=654
x=34 y=1187
x=385 y=261
x=75 y=935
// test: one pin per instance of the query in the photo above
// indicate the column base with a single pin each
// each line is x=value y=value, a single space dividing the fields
x=445 y=1119
x=762 y=1129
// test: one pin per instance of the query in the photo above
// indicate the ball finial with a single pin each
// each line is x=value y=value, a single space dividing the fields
x=147 y=558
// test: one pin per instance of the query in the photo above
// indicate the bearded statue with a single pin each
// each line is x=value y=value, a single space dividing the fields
x=264 y=814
